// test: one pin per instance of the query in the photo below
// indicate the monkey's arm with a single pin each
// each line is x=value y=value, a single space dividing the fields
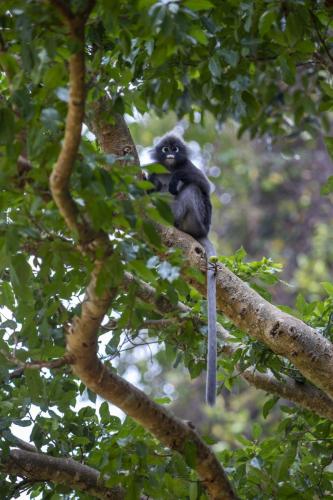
x=160 y=181
x=153 y=178
x=189 y=175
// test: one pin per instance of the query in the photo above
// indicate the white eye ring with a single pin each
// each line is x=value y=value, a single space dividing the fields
x=175 y=149
x=165 y=149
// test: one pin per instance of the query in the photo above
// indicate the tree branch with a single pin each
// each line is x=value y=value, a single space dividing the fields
x=303 y=394
x=37 y=365
x=113 y=137
x=308 y=351
x=60 y=176
x=321 y=39
x=42 y=467
x=23 y=445
x=170 y=430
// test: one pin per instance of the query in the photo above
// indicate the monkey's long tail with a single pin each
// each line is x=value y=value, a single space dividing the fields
x=211 y=309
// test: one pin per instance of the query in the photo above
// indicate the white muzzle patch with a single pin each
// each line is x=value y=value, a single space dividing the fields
x=170 y=159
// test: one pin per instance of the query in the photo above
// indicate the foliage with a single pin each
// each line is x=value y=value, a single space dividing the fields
x=266 y=65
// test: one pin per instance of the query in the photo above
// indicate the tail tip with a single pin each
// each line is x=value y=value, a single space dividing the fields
x=210 y=398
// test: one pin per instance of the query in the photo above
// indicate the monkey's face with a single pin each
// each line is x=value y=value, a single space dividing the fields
x=170 y=152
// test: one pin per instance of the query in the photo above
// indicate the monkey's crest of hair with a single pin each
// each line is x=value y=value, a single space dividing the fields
x=168 y=146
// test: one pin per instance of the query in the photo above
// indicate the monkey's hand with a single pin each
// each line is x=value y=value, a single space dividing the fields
x=175 y=184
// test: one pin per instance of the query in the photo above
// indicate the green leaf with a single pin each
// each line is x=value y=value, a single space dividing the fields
x=197 y=5
x=190 y=452
x=21 y=278
x=327 y=188
x=193 y=491
x=329 y=145
x=107 y=182
x=35 y=385
x=251 y=102
x=269 y=405
x=9 y=64
x=164 y=210
x=151 y=233
x=266 y=21
x=21 y=423
x=156 y=168
x=283 y=464
x=327 y=88
x=214 y=66
x=37 y=435
x=328 y=287
x=230 y=56
x=305 y=46
x=112 y=274
x=6 y=295
x=163 y=401
x=301 y=304
x=7 y=126
x=288 y=68
x=199 y=35
x=294 y=28
x=256 y=431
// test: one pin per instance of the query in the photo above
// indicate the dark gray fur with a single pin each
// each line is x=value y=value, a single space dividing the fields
x=192 y=212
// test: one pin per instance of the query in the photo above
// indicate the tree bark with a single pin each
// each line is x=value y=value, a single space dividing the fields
x=42 y=467
x=82 y=336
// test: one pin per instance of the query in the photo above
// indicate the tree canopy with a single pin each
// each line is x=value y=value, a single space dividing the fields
x=98 y=289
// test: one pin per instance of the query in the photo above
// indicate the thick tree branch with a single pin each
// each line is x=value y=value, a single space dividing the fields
x=60 y=177
x=42 y=467
x=310 y=352
x=303 y=394
x=114 y=138
x=170 y=430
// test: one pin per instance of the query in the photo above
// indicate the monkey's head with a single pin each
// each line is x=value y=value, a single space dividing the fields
x=170 y=152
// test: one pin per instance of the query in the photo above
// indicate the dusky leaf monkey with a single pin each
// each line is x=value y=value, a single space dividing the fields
x=192 y=213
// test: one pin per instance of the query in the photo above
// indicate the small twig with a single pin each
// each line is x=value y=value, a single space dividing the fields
x=3 y=47
x=38 y=364
x=148 y=323
x=321 y=38
x=329 y=325
x=23 y=485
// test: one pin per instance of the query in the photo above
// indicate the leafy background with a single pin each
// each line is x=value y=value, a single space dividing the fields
x=250 y=86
